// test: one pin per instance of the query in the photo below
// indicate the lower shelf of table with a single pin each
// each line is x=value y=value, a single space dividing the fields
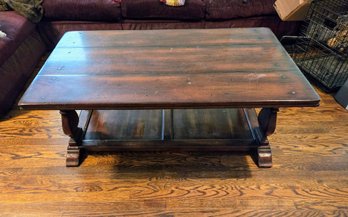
x=187 y=130
x=196 y=130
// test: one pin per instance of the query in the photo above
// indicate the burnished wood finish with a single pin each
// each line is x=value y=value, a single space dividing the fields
x=169 y=69
x=167 y=124
x=267 y=119
x=264 y=156
x=213 y=130
x=256 y=124
x=70 y=122
x=309 y=176
x=194 y=130
x=187 y=124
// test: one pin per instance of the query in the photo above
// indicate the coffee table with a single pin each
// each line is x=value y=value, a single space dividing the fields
x=192 y=90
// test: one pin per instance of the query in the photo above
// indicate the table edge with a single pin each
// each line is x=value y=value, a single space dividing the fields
x=140 y=106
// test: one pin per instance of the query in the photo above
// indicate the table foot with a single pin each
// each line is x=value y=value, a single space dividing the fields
x=264 y=156
x=73 y=157
x=262 y=126
x=267 y=119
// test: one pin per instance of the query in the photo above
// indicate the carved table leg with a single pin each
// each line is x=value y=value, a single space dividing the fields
x=70 y=121
x=267 y=119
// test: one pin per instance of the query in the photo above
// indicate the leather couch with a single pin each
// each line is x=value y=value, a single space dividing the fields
x=26 y=42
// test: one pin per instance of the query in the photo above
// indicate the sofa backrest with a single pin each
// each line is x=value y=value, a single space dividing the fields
x=113 y=10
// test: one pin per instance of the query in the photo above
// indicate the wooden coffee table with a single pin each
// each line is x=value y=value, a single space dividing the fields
x=158 y=90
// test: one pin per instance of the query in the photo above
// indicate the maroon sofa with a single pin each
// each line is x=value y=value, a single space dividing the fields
x=20 y=51
x=27 y=42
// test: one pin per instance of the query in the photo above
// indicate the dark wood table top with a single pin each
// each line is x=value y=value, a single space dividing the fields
x=169 y=69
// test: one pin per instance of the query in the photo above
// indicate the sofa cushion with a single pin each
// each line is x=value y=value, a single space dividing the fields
x=154 y=9
x=228 y=9
x=161 y=24
x=88 y=10
x=17 y=28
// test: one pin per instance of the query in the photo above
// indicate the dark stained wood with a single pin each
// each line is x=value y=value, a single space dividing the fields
x=199 y=130
x=70 y=122
x=73 y=155
x=309 y=176
x=213 y=130
x=160 y=38
x=210 y=124
x=217 y=130
x=267 y=119
x=187 y=124
x=169 y=69
x=125 y=125
x=178 y=146
x=261 y=126
x=264 y=156
x=168 y=124
x=253 y=124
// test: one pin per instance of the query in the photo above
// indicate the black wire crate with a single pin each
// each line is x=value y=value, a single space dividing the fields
x=321 y=50
x=317 y=60
x=327 y=23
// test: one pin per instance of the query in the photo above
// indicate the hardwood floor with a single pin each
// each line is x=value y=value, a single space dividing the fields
x=309 y=176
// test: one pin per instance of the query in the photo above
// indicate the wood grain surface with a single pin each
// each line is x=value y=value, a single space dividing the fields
x=169 y=69
x=309 y=176
x=188 y=124
x=192 y=130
